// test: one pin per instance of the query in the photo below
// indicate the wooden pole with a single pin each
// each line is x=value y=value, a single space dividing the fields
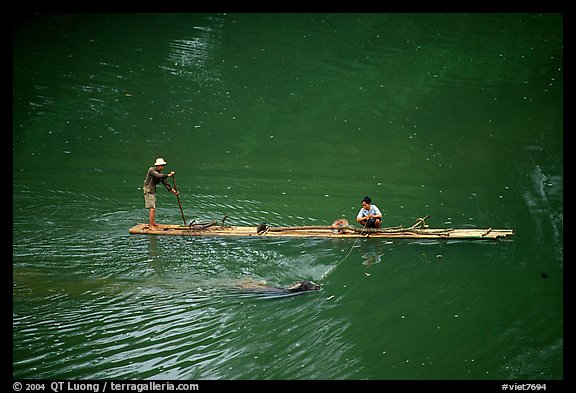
x=178 y=197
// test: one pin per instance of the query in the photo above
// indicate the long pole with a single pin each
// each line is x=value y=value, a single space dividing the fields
x=178 y=197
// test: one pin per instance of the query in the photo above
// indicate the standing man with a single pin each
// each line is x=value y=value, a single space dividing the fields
x=153 y=177
x=369 y=216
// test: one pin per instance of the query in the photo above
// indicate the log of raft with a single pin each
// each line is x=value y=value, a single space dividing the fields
x=416 y=231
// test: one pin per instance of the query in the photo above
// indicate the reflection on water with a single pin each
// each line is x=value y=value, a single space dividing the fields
x=372 y=252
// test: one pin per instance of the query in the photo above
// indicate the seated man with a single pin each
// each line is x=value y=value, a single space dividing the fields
x=369 y=216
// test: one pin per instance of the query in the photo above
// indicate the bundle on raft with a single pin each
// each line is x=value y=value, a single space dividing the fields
x=339 y=229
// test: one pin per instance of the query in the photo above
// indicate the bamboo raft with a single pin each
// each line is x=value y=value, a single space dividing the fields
x=417 y=231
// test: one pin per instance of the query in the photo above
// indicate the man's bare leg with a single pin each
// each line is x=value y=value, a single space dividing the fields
x=152 y=217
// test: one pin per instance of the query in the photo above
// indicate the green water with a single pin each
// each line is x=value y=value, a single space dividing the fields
x=289 y=119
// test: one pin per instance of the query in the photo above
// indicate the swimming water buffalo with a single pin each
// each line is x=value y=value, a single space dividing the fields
x=263 y=287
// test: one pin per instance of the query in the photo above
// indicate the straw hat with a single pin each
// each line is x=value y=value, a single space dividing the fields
x=160 y=161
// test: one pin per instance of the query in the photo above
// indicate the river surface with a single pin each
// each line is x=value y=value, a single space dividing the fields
x=290 y=119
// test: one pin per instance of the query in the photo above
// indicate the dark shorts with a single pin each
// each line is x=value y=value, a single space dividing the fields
x=371 y=223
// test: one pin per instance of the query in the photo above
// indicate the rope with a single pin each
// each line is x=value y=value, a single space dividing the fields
x=343 y=259
x=347 y=255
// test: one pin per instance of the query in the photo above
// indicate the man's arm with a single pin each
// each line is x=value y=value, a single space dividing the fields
x=361 y=219
x=168 y=186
